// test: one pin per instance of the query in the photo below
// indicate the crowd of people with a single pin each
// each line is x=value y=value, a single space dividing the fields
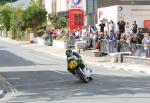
x=111 y=41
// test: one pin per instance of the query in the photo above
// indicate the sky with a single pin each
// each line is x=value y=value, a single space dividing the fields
x=22 y=3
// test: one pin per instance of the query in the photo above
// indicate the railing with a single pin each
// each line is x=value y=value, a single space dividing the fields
x=135 y=49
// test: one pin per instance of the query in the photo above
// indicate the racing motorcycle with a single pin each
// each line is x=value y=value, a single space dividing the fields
x=83 y=74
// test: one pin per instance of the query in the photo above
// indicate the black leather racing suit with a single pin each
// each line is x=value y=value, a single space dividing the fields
x=78 y=58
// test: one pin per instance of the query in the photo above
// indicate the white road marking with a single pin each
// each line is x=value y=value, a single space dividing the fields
x=59 y=72
x=13 y=89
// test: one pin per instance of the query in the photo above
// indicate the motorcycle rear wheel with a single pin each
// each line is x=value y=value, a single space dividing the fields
x=82 y=77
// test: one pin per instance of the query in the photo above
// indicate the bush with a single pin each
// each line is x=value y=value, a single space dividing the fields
x=62 y=37
x=5 y=17
x=58 y=22
x=40 y=32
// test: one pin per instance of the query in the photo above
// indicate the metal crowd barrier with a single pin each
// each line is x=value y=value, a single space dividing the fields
x=141 y=50
x=135 y=49
x=71 y=41
x=109 y=46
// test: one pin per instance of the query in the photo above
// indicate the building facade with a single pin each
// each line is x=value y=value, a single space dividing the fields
x=106 y=3
x=61 y=7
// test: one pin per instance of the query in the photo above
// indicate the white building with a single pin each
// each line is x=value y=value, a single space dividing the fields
x=48 y=6
x=128 y=13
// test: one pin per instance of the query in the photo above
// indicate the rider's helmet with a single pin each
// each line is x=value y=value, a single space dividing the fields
x=69 y=52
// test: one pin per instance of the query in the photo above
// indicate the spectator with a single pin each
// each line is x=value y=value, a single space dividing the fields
x=139 y=37
x=106 y=42
x=146 y=42
x=121 y=25
x=118 y=35
x=112 y=42
x=97 y=40
x=128 y=40
x=118 y=45
x=77 y=33
x=84 y=33
x=123 y=42
x=111 y=26
x=134 y=27
x=102 y=26
x=133 y=43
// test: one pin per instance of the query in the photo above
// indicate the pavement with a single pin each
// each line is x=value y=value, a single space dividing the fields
x=99 y=61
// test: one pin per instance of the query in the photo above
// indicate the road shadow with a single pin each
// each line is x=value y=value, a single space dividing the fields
x=1 y=47
x=8 y=59
x=53 y=86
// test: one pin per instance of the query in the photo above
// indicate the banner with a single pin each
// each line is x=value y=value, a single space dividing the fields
x=75 y=4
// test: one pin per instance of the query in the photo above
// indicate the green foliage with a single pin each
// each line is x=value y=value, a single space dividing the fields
x=38 y=2
x=5 y=17
x=34 y=16
x=62 y=37
x=40 y=32
x=17 y=24
x=17 y=20
x=2 y=2
x=58 y=22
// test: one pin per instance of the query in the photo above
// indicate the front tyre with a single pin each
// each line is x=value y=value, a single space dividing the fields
x=82 y=76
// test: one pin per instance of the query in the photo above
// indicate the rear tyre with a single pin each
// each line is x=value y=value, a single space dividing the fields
x=82 y=76
x=90 y=78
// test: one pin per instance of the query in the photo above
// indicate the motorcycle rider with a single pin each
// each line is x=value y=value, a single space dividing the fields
x=70 y=54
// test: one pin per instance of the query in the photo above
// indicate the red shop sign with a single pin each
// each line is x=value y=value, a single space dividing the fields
x=76 y=19
x=147 y=24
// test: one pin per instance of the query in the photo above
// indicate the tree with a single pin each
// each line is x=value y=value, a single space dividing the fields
x=5 y=16
x=2 y=2
x=34 y=16
x=17 y=24
x=58 y=22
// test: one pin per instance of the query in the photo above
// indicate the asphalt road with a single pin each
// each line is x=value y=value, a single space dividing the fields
x=35 y=77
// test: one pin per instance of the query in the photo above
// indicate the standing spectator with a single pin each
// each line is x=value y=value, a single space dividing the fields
x=123 y=42
x=102 y=26
x=134 y=27
x=118 y=45
x=118 y=35
x=121 y=25
x=128 y=40
x=90 y=40
x=112 y=42
x=146 y=42
x=78 y=33
x=106 y=41
x=133 y=43
x=106 y=35
x=97 y=40
x=84 y=33
x=111 y=26
x=71 y=39
x=139 y=37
